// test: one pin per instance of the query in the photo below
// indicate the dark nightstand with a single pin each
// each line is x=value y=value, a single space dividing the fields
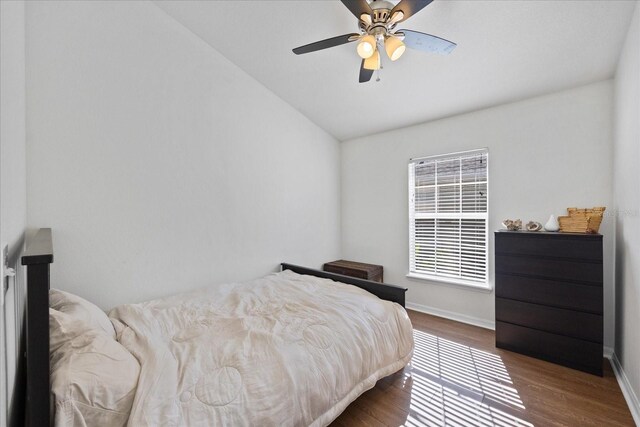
x=355 y=269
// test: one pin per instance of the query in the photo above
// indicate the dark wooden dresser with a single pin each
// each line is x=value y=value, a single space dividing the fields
x=549 y=297
x=355 y=269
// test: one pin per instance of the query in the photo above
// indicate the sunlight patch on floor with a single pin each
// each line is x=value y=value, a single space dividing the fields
x=455 y=385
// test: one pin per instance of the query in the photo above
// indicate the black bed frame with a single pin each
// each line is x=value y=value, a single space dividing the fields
x=383 y=291
x=33 y=391
x=37 y=258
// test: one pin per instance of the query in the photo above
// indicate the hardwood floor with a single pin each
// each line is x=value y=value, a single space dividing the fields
x=459 y=378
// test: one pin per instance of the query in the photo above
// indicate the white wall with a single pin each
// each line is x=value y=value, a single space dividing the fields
x=160 y=165
x=13 y=196
x=12 y=124
x=545 y=154
x=627 y=206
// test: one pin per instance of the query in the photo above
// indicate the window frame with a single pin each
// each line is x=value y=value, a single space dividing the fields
x=483 y=285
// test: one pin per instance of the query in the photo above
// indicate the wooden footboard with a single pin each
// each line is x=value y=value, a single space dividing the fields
x=383 y=291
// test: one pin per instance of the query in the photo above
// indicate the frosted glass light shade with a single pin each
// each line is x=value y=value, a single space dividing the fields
x=372 y=62
x=366 y=47
x=394 y=47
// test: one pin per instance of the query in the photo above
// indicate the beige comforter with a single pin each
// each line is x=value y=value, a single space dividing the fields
x=283 y=350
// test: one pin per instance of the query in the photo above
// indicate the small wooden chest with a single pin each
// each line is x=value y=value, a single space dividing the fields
x=355 y=269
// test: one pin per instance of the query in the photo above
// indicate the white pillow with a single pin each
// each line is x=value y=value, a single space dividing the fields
x=93 y=377
x=81 y=309
x=64 y=327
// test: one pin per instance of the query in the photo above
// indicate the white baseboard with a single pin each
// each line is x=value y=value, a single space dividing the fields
x=463 y=318
x=607 y=352
x=627 y=390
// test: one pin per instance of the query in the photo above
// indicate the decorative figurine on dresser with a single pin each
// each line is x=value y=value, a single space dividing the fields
x=549 y=296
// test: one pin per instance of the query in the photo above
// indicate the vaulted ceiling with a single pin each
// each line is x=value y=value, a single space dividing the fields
x=507 y=50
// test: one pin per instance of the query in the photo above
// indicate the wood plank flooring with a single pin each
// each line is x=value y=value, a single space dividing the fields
x=459 y=378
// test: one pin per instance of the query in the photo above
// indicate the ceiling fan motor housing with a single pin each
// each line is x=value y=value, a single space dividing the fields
x=381 y=4
x=379 y=25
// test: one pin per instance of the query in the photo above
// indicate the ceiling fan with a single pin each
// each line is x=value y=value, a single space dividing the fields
x=377 y=21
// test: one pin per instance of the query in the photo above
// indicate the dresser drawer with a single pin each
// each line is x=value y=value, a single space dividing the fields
x=571 y=352
x=553 y=293
x=563 y=270
x=560 y=246
x=575 y=324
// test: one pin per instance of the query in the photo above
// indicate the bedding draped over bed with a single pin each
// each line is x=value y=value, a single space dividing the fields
x=282 y=350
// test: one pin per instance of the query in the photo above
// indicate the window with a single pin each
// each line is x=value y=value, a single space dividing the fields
x=448 y=218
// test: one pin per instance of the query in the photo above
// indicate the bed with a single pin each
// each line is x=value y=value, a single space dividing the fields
x=291 y=348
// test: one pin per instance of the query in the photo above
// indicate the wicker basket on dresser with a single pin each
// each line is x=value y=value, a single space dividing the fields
x=549 y=297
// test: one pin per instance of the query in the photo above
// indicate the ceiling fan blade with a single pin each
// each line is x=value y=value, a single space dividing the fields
x=427 y=42
x=325 y=44
x=358 y=7
x=365 y=75
x=410 y=7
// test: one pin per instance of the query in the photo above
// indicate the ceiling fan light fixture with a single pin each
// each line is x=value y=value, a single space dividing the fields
x=377 y=23
x=394 y=47
x=366 y=46
x=372 y=62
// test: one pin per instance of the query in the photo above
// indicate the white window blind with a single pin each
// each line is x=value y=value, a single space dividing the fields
x=448 y=217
